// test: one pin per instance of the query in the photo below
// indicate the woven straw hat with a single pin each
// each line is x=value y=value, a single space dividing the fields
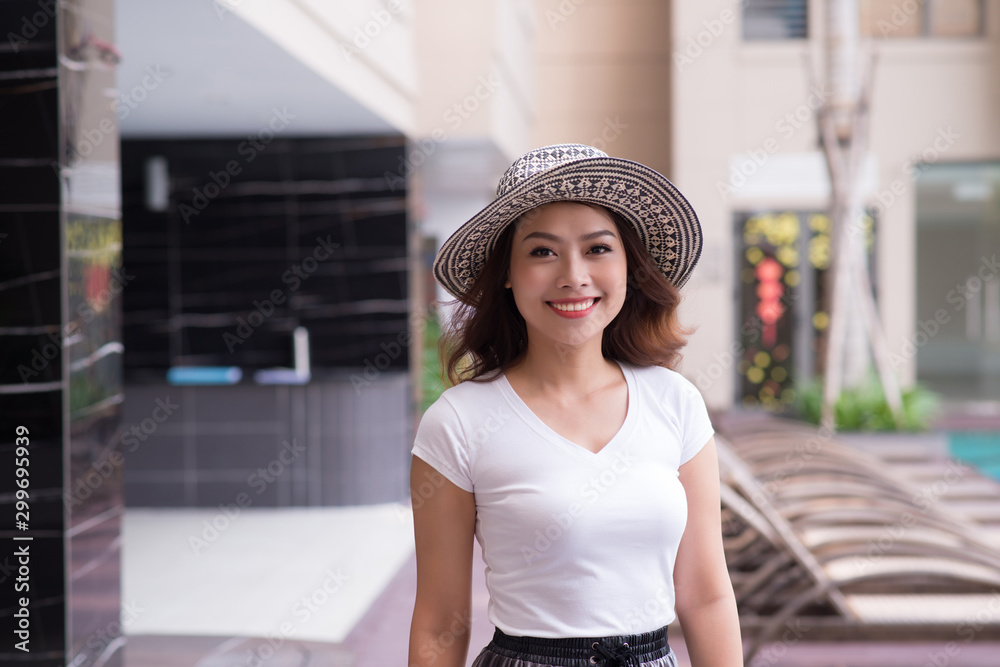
x=659 y=213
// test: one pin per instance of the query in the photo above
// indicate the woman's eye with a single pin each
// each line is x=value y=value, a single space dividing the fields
x=548 y=252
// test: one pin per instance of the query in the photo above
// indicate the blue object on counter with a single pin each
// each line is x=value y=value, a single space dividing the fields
x=280 y=376
x=204 y=375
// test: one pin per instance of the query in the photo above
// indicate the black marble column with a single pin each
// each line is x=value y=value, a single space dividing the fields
x=60 y=333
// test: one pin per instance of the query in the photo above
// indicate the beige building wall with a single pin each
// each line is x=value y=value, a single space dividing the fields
x=731 y=99
x=476 y=108
x=604 y=77
x=476 y=74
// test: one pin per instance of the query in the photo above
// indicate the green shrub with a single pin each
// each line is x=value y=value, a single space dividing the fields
x=865 y=409
x=432 y=384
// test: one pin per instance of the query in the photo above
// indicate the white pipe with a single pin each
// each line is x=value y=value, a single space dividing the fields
x=301 y=352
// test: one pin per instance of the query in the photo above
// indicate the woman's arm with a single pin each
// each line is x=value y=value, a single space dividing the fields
x=705 y=603
x=444 y=524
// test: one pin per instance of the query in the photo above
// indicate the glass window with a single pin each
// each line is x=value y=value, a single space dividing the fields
x=930 y=18
x=775 y=19
x=957 y=333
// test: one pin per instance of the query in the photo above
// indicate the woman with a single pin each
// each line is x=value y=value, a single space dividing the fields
x=568 y=447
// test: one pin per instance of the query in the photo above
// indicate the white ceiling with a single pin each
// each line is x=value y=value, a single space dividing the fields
x=220 y=77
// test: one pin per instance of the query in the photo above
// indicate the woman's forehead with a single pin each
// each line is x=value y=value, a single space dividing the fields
x=541 y=215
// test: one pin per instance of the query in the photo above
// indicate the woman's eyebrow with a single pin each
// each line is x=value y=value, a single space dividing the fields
x=585 y=237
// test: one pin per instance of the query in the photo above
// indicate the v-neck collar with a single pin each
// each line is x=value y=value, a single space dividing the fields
x=579 y=451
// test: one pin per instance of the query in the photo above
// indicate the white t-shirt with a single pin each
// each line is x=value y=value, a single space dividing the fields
x=576 y=544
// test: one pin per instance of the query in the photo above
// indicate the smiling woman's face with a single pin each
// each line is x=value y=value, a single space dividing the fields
x=568 y=272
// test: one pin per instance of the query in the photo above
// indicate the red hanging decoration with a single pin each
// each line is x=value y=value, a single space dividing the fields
x=769 y=293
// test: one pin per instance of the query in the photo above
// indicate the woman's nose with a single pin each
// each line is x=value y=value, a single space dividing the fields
x=574 y=272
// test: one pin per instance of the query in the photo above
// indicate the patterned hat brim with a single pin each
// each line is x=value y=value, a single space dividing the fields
x=662 y=217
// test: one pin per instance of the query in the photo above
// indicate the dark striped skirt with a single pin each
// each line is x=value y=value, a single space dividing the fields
x=649 y=649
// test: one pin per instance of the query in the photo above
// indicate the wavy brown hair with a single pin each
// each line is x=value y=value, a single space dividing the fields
x=487 y=335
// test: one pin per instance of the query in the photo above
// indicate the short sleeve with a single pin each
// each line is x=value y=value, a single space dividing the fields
x=440 y=441
x=697 y=425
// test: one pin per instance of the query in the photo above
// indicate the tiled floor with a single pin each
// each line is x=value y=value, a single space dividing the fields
x=258 y=591
x=381 y=637
x=178 y=650
x=304 y=574
x=369 y=629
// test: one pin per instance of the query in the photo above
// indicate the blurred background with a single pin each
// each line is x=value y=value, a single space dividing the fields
x=218 y=324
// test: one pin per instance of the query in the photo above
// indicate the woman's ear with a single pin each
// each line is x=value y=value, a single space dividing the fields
x=506 y=281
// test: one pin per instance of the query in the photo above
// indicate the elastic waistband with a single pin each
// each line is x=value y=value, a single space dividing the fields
x=573 y=652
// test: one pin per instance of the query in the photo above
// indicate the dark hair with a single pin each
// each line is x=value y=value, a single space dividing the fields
x=487 y=334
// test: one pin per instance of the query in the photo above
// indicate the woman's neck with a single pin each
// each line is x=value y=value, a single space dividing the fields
x=565 y=370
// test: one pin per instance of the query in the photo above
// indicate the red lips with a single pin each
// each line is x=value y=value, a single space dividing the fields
x=573 y=314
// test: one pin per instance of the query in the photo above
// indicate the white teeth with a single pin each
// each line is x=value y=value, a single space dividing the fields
x=569 y=307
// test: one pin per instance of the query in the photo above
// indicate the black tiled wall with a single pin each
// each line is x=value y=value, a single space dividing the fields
x=309 y=232
x=29 y=312
x=313 y=231
x=60 y=373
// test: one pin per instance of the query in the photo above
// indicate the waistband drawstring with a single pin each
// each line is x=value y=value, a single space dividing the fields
x=621 y=657
x=605 y=651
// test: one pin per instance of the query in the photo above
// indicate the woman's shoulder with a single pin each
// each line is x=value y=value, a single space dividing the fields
x=485 y=386
x=466 y=396
x=667 y=392
x=662 y=378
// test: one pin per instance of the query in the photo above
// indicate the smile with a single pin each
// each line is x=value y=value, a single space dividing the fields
x=573 y=308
